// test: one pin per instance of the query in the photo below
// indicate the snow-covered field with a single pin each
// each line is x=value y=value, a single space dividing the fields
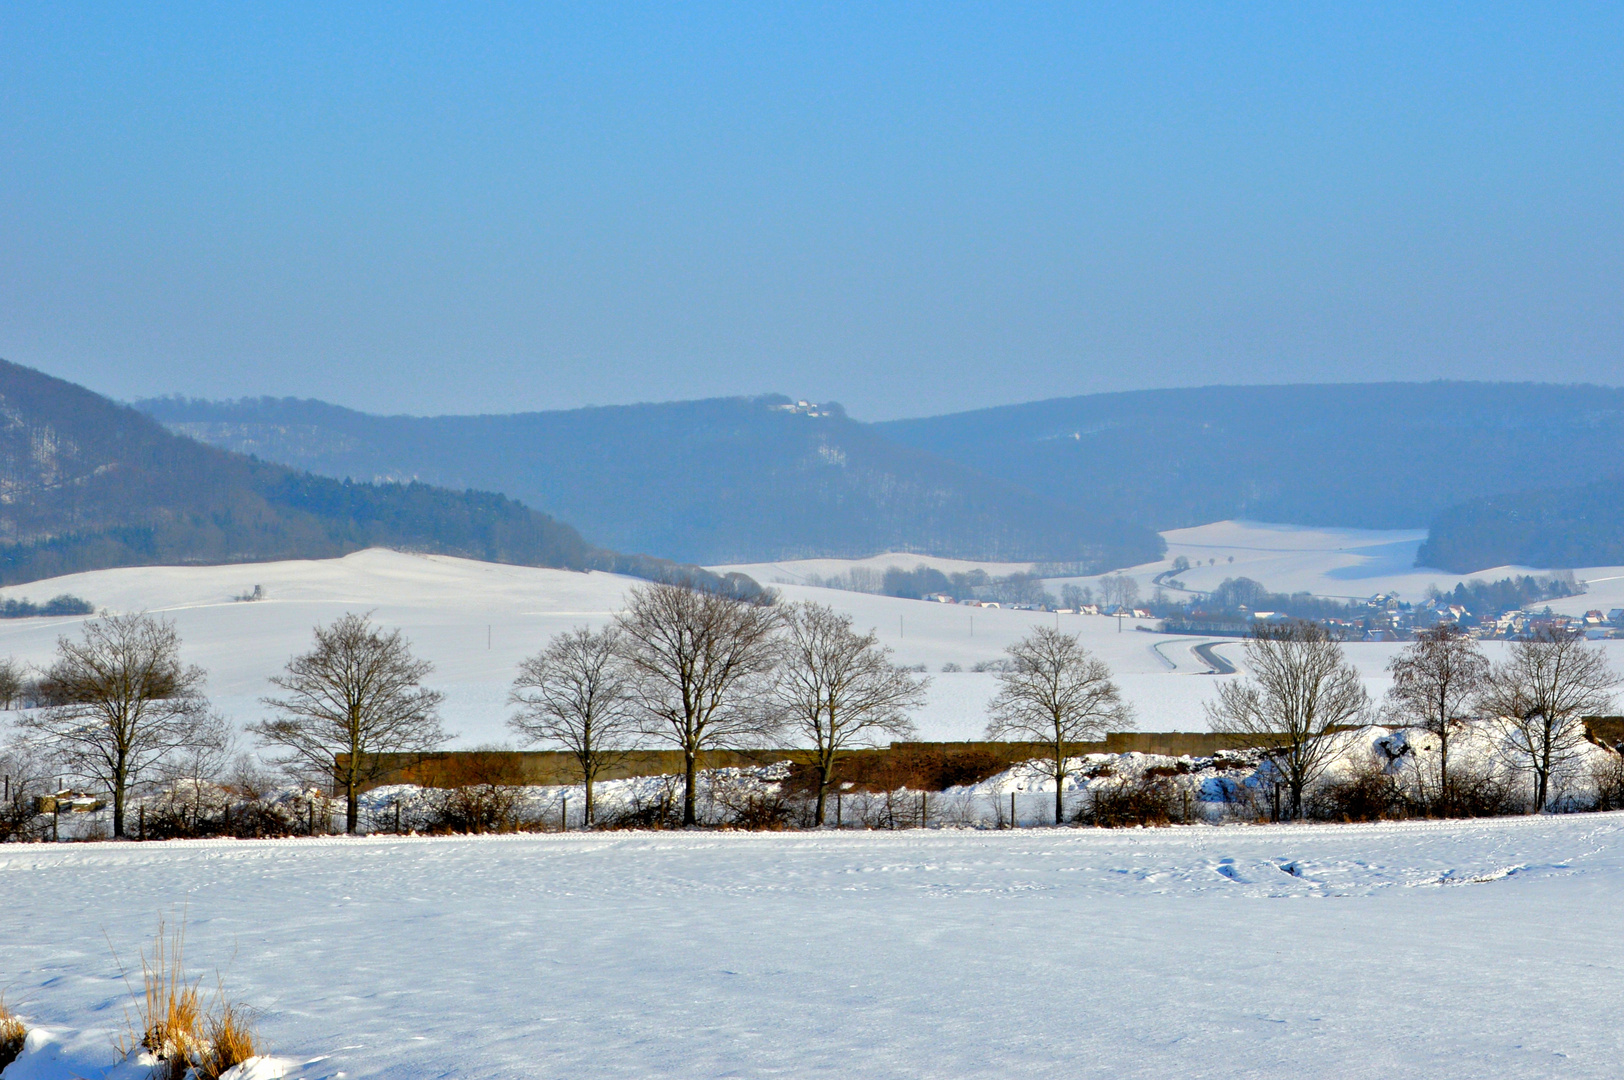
x=1343 y=563
x=476 y=621
x=1413 y=950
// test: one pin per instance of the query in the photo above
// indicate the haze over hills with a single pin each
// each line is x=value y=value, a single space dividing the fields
x=716 y=481
x=1363 y=455
x=1087 y=479
x=87 y=483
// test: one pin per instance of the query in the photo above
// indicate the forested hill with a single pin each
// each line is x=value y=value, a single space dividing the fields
x=1379 y=455
x=722 y=480
x=86 y=483
x=1556 y=527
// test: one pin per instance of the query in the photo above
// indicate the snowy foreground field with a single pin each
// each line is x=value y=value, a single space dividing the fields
x=1413 y=950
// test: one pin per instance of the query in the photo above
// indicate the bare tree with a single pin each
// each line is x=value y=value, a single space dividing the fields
x=1076 y=598
x=1301 y=688
x=358 y=693
x=1540 y=694
x=839 y=689
x=1436 y=683
x=698 y=661
x=577 y=692
x=1119 y=590
x=120 y=702
x=25 y=775
x=1058 y=694
x=13 y=680
x=202 y=761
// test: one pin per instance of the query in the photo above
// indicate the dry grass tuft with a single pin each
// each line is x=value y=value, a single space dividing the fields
x=173 y=1025
x=231 y=1041
x=170 y=1010
x=12 y=1034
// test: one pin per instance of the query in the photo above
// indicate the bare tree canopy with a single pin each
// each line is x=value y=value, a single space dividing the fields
x=698 y=661
x=1056 y=693
x=358 y=692
x=577 y=693
x=121 y=701
x=1540 y=694
x=13 y=677
x=1300 y=689
x=1119 y=590
x=839 y=689
x=1436 y=683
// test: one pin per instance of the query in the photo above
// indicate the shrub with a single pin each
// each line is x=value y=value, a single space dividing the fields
x=1485 y=794
x=476 y=808
x=1368 y=795
x=1608 y=776
x=1152 y=800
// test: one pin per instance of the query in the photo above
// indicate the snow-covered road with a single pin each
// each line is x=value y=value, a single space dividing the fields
x=1413 y=950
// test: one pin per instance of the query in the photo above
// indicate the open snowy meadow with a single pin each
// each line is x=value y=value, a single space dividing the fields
x=1405 y=950
x=475 y=621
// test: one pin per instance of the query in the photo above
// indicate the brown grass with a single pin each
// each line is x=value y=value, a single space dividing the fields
x=169 y=1012
x=12 y=1034
x=230 y=1040
x=172 y=1023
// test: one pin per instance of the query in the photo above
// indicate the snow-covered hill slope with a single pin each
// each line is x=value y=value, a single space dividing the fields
x=1397 y=951
x=476 y=621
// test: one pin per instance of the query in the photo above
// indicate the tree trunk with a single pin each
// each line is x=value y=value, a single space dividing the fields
x=587 y=783
x=1059 y=787
x=352 y=807
x=826 y=775
x=118 y=803
x=1443 y=772
x=690 y=781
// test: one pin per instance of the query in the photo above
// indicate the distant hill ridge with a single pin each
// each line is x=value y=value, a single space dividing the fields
x=1363 y=455
x=1087 y=479
x=87 y=483
x=722 y=480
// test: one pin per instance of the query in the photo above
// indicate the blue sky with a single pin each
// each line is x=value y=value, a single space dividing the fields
x=908 y=208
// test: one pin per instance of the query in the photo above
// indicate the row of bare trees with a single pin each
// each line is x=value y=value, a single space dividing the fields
x=700 y=671
x=119 y=704
x=1301 y=690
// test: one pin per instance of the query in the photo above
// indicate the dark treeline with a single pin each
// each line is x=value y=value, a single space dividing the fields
x=1572 y=526
x=64 y=604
